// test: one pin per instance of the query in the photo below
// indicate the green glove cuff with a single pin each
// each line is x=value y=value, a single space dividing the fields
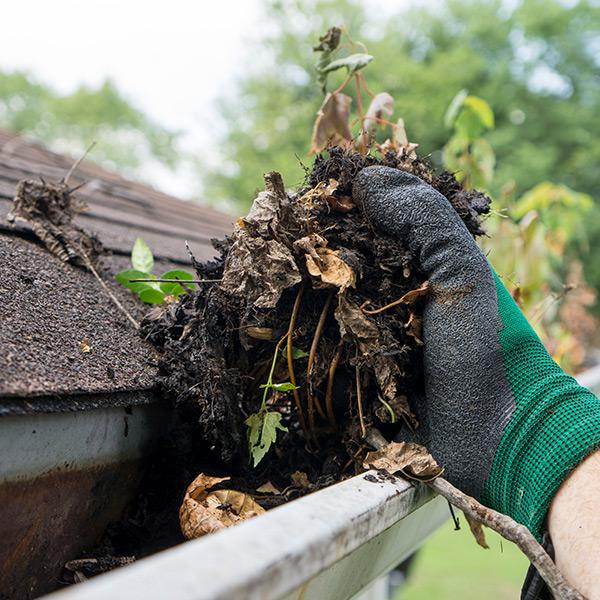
x=555 y=425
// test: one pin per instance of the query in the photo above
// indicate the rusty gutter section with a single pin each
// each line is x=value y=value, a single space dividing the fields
x=64 y=476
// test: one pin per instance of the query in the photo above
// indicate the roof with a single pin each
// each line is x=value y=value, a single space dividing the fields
x=48 y=307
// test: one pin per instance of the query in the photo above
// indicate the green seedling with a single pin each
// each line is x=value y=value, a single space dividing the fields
x=154 y=290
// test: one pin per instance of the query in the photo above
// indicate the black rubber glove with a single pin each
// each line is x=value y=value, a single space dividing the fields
x=499 y=414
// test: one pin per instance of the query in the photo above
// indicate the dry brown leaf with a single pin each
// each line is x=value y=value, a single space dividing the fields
x=308 y=245
x=477 y=530
x=333 y=122
x=331 y=270
x=203 y=512
x=268 y=488
x=341 y=204
x=259 y=333
x=407 y=458
x=381 y=104
x=300 y=479
x=414 y=327
x=84 y=345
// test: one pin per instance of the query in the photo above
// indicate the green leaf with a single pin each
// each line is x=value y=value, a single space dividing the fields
x=482 y=109
x=174 y=289
x=297 y=353
x=151 y=296
x=280 y=387
x=124 y=276
x=262 y=433
x=354 y=63
x=141 y=256
x=453 y=108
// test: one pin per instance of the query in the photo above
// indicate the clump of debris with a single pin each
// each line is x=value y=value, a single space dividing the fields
x=311 y=336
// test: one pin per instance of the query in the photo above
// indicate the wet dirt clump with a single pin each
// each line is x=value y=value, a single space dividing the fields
x=311 y=334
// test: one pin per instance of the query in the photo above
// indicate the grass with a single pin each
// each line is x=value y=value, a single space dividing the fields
x=451 y=565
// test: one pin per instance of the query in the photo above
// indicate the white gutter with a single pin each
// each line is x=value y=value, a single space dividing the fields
x=328 y=545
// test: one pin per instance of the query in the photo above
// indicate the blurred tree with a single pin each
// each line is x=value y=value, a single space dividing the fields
x=536 y=64
x=126 y=137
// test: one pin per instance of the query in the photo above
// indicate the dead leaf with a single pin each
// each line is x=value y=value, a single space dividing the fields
x=330 y=270
x=381 y=104
x=259 y=333
x=477 y=530
x=49 y=209
x=309 y=243
x=258 y=270
x=333 y=122
x=203 y=512
x=323 y=191
x=84 y=345
x=407 y=458
x=300 y=479
x=414 y=327
x=268 y=488
x=341 y=204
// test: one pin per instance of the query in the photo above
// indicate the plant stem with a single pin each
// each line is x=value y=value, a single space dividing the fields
x=403 y=300
x=312 y=399
x=115 y=300
x=269 y=383
x=329 y=394
x=174 y=280
x=363 y=429
x=290 y=357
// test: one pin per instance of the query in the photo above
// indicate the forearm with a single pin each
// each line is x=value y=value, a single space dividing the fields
x=574 y=527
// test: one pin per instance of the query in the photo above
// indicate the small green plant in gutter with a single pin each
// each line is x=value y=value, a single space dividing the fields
x=263 y=425
x=153 y=290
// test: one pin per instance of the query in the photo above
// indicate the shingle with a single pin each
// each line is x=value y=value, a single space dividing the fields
x=48 y=307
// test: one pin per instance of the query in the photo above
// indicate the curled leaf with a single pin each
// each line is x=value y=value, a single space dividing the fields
x=330 y=270
x=477 y=530
x=203 y=512
x=407 y=458
x=381 y=104
x=354 y=63
x=333 y=122
x=268 y=488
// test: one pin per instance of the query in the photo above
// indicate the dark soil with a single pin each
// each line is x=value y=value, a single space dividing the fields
x=218 y=343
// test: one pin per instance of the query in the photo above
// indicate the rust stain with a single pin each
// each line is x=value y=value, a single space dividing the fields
x=51 y=519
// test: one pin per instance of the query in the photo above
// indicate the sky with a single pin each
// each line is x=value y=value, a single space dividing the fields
x=171 y=59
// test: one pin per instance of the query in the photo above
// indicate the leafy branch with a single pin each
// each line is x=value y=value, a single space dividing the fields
x=148 y=287
x=333 y=126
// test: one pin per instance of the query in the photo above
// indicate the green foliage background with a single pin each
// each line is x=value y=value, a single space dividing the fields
x=536 y=64
x=125 y=136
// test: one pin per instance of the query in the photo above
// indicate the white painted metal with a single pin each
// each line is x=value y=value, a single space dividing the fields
x=329 y=545
x=32 y=445
x=332 y=545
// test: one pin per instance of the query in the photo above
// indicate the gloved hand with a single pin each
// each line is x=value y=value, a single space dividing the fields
x=499 y=414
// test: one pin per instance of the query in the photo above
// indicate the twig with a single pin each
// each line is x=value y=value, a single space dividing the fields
x=312 y=399
x=77 y=163
x=88 y=264
x=359 y=402
x=406 y=298
x=174 y=280
x=329 y=393
x=290 y=358
x=500 y=523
